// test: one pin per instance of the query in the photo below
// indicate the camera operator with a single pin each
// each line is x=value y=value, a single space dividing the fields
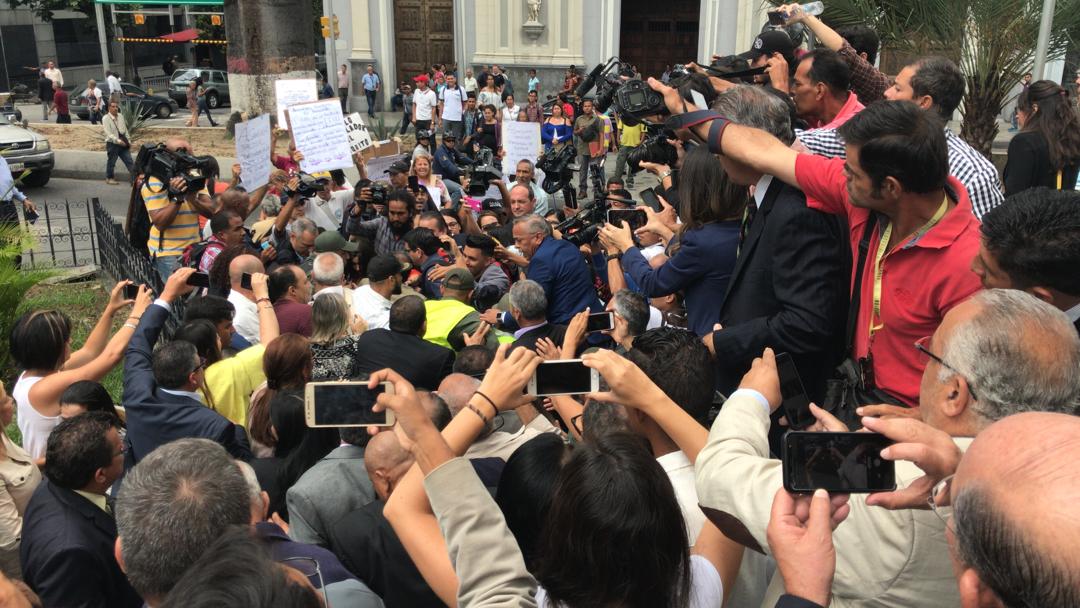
x=389 y=230
x=449 y=163
x=293 y=240
x=711 y=208
x=588 y=132
x=174 y=214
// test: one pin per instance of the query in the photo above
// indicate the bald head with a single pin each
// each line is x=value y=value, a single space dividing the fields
x=1013 y=501
x=386 y=462
x=456 y=389
x=243 y=264
x=176 y=143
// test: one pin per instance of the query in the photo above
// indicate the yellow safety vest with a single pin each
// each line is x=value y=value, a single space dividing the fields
x=442 y=317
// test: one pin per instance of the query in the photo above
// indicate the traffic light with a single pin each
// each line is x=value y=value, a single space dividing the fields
x=325 y=22
x=140 y=18
x=215 y=19
x=337 y=29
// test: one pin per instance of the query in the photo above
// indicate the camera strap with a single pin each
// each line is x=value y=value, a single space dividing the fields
x=697 y=117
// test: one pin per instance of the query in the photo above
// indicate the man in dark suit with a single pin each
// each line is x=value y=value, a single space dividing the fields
x=160 y=387
x=1032 y=242
x=68 y=530
x=789 y=288
x=528 y=307
x=557 y=266
x=403 y=349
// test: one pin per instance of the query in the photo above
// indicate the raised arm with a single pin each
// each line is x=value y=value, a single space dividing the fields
x=268 y=322
x=99 y=336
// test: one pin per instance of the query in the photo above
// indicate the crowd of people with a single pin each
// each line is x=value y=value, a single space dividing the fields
x=822 y=210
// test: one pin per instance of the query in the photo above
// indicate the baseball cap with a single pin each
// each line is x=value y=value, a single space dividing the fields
x=382 y=267
x=421 y=78
x=767 y=43
x=398 y=166
x=459 y=279
x=331 y=240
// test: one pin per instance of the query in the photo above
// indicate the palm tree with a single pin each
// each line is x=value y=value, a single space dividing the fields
x=993 y=41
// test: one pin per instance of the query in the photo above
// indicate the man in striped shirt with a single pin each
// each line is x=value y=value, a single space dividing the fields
x=174 y=215
x=932 y=83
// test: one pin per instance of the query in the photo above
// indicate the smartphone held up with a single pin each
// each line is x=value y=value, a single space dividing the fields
x=848 y=463
x=566 y=377
x=338 y=404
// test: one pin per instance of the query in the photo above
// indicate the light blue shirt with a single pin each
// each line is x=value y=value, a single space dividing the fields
x=8 y=191
x=534 y=83
x=371 y=82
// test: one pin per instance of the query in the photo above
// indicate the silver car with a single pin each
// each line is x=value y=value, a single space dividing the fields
x=215 y=81
x=24 y=149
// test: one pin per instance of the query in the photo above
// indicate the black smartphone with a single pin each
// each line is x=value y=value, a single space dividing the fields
x=568 y=377
x=131 y=291
x=245 y=281
x=635 y=217
x=414 y=183
x=345 y=404
x=649 y=198
x=848 y=463
x=600 y=321
x=31 y=216
x=775 y=17
x=199 y=279
x=796 y=404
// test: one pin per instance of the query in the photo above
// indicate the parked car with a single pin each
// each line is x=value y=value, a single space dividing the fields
x=216 y=82
x=24 y=149
x=149 y=105
x=8 y=108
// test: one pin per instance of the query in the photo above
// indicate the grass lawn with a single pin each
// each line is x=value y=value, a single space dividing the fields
x=83 y=304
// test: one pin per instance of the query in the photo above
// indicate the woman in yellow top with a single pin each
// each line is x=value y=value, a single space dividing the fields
x=19 y=476
x=230 y=382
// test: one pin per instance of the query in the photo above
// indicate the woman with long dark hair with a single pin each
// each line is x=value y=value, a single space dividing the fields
x=287 y=366
x=711 y=208
x=557 y=129
x=1046 y=151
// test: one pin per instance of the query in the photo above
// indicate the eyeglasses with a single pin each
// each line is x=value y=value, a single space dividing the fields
x=309 y=567
x=576 y=422
x=940 y=499
x=201 y=365
x=923 y=346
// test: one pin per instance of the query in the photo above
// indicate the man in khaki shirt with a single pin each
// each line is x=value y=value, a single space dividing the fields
x=899 y=558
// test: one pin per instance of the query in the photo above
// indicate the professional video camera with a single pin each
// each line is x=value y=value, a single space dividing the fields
x=482 y=172
x=654 y=149
x=155 y=160
x=556 y=163
x=309 y=186
x=584 y=226
x=632 y=97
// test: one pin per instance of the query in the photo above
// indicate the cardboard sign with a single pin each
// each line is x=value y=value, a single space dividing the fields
x=292 y=91
x=519 y=140
x=318 y=132
x=253 y=151
x=359 y=136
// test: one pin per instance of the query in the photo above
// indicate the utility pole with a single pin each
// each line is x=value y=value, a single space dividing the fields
x=1043 y=43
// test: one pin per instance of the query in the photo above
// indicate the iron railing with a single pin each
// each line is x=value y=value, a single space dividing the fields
x=63 y=236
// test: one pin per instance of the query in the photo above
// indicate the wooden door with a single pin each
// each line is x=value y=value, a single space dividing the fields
x=424 y=34
x=657 y=34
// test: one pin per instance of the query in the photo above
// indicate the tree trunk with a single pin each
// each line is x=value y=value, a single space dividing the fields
x=982 y=104
x=268 y=40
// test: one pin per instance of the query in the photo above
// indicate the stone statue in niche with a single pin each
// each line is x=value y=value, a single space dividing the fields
x=534 y=11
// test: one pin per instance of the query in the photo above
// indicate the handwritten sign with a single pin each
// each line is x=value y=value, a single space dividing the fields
x=318 y=131
x=253 y=151
x=291 y=91
x=359 y=137
x=520 y=140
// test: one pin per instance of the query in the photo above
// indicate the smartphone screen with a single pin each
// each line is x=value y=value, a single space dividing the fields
x=414 y=183
x=199 y=279
x=563 y=378
x=796 y=403
x=649 y=198
x=343 y=404
x=245 y=281
x=837 y=462
x=635 y=217
x=131 y=291
x=600 y=321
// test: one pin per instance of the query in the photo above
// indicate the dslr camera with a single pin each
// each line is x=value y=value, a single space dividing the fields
x=308 y=187
x=155 y=160
x=654 y=149
x=379 y=193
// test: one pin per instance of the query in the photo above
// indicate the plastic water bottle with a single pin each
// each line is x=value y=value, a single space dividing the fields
x=812 y=8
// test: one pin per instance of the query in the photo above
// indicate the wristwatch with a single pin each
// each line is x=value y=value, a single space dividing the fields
x=614 y=256
x=665 y=175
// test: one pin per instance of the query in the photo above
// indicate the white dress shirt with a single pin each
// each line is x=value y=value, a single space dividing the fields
x=246 y=319
x=373 y=307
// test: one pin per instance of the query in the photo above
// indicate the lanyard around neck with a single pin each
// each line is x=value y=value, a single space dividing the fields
x=882 y=253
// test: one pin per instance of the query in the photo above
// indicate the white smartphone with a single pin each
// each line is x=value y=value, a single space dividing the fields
x=345 y=404
x=567 y=377
x=600 y=321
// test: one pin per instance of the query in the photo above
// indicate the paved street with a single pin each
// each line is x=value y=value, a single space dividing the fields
x=115 y=198
x=32 y=112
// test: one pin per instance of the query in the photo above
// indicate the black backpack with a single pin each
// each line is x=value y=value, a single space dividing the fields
x=137 y=225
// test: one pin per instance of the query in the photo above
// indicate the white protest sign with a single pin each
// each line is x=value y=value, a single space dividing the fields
x=359 y=137
x=318 y=131
x=519 y=140
x=253 y=151
x=290 y=91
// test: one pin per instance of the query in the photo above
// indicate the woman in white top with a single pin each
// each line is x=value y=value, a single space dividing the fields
x=433 y=183
x=489 y=95
x=510 y=110
x=41 y=346
x=19 y=476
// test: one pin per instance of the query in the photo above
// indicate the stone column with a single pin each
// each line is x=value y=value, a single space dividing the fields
x=268 y=40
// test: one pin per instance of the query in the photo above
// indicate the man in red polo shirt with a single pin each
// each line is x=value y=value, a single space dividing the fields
x=917 y=263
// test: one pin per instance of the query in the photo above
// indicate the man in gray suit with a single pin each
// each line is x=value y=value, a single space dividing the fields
x=337 y=485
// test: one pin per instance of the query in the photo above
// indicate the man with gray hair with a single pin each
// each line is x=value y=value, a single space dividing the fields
x=528 y=309
x=789 y=288
x=328 y=276
x=457 y=389
x=296 y=246
x=998 y=353
x=631 y=311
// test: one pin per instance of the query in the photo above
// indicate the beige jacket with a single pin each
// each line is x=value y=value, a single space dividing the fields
x=883 y=558
x=491 y=571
